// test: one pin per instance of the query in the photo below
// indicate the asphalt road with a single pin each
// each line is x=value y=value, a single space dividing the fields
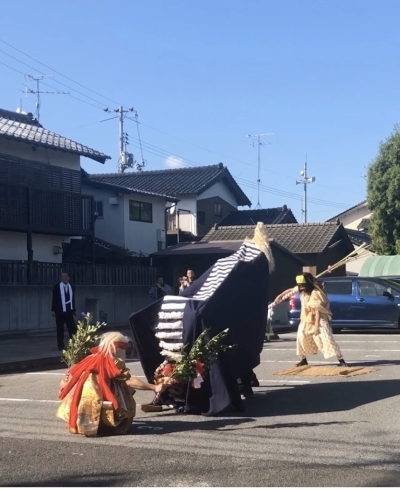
x=296 y=431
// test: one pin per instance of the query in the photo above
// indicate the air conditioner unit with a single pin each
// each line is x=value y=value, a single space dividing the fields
x=113 y=201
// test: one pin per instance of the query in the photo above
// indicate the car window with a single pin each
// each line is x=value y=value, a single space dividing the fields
x=338 y=287
x=368 y=288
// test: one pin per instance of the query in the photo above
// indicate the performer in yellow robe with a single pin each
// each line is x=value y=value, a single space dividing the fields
x=314 y=332
x=97 y=394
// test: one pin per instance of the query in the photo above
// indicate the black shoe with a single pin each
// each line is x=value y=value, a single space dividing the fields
x=303 y=362
x=342 y=363
x=247 y=392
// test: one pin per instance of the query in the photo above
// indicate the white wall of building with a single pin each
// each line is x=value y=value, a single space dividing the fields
x=111 y=227
x=219 y=190
x=354 y=267
x=13 y=247
x=139 y=236
x=43 y=155
x=188 y=203
x=353 y=217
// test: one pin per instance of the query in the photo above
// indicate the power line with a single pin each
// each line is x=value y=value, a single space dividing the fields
x=12 y=68
x=232 y=158
x=77 y=98
x=159 y=152
x=58 y=73
x=57 y=81
x=112 y=100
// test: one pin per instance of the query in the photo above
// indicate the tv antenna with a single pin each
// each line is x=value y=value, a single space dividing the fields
x=37 y=92
x=256 y=140
x=305 y=181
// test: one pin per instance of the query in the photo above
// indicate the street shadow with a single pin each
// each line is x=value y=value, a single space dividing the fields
x=320 y=397
x=163 y=426
x=297 y=425
x=378 y=362
x=97 y=480
x=391 y=478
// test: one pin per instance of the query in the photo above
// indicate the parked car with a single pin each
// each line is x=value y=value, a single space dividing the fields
x=358 y=302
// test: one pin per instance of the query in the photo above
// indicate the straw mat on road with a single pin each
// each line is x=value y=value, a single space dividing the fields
x=326 y=371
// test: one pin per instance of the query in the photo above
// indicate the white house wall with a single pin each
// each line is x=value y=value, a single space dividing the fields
x=219 y=190
x=189 y=203
x=13 y=247
x=354 y=267
x=43 y=155
x=142 y=237
x=353 y=218
x=111 y=227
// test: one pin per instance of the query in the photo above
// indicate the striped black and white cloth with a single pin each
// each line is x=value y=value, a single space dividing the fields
x=222 y=268
x=169 y=329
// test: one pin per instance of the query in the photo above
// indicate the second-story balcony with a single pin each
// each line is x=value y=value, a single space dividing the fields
x=45 y=211
x=182 y=221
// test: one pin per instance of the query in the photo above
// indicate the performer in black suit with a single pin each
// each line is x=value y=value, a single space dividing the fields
x=63 y=308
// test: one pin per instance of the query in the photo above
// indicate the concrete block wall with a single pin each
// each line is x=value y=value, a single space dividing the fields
x=27 y=308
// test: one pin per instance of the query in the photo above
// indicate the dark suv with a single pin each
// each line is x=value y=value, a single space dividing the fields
x=358 y=302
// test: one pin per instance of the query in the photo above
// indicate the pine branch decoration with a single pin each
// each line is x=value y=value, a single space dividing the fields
x=204 y=350
x=85 y=338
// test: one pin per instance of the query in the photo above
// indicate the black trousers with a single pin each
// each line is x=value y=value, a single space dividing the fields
x=62 y=319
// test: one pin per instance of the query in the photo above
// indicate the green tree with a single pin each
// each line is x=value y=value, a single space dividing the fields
x=383 y=194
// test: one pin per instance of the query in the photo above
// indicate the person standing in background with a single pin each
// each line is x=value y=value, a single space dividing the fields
x=160 y=289
x=63 y=308
x=187 y=280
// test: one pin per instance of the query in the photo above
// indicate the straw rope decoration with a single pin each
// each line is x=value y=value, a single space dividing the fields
x=360 y=252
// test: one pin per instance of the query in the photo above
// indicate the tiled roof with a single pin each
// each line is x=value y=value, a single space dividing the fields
x=270 y=216
x=358 y=237
x=334 y=218
x=297 y=238
x=218 y=248
x=124 y=189
x=177 y=181
x=23 y=127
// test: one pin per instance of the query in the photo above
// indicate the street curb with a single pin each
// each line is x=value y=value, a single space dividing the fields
x=26 y=364
x=43 y=362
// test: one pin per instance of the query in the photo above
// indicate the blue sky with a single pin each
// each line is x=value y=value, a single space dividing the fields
x=321 y=75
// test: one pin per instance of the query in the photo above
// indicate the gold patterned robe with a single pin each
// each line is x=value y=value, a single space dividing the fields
x=95 y=413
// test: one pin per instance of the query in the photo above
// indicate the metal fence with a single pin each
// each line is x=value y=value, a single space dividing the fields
x=47 y=273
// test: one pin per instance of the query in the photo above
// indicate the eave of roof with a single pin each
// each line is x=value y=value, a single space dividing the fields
x=216 y=248
x=23 y=128
x=334 y=218
x=126 y=190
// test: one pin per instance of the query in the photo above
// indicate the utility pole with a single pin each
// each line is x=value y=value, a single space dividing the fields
x=305 y=181
x=257 y=141
x=37 y=92
x=125 y=159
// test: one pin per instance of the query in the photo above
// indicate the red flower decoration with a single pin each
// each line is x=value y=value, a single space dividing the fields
x=168 y=370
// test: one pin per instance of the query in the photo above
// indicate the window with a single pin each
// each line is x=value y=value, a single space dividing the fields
x=368 y=288
x=98 y=209
x=217 y=209
x=338 y=287
x=201 y=218
x=141 y=211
